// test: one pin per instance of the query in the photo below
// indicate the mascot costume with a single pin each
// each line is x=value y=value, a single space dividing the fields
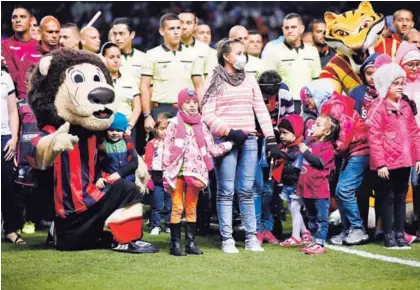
x=72 y=97
x=354 y=35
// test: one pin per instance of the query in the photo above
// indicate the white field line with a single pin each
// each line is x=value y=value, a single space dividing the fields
x=375 y=256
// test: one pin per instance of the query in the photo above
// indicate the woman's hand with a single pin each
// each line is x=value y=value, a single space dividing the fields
x=100 y=183
x=10 y=149
x=383 y=173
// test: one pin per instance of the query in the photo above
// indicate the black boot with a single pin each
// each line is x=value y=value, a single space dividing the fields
x=190 y=246
x=176 y=240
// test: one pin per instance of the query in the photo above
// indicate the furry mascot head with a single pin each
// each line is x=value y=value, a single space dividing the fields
x=354 y=35
x=72 y=86
x=354 y=32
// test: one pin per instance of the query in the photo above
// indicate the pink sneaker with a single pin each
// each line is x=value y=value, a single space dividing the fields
x=315 y=250
x=409 y=238
x=291 y=242
x=306 y=237
x=260 y=237
x=270 y=238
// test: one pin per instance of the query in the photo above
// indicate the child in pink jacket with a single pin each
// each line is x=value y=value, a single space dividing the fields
x=394 y=140
x=187 y=160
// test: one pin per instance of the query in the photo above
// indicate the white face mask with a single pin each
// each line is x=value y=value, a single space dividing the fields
x=240 y=62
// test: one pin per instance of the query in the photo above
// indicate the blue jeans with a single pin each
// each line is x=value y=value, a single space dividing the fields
x=414 y=177
x=318 y=218
x=263 y=193
x=350 y=178
x=236 y=172
x=161 y=202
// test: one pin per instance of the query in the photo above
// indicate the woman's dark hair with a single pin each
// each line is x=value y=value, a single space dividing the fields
x=224 y=46
x=335 y=129
x=106 y=46
x=269 y=82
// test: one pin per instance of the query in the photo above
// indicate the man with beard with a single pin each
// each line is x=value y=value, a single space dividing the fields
x=317 y=29
x=403 y=22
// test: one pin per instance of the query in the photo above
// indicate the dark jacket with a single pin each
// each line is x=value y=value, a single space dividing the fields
x=358 y=93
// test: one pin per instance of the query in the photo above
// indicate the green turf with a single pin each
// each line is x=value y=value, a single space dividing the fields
x=34 y=267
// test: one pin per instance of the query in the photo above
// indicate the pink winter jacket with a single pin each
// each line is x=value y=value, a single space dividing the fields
x=412 y=86
x=394 y=137
x=191 y=160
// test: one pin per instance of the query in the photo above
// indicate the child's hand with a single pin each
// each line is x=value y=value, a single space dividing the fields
x=383 y=173
x=303 y=147
x=113 y=177
x=100 y=183
x=418 y=167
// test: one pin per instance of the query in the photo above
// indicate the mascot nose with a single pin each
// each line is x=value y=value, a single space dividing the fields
x=101 y=96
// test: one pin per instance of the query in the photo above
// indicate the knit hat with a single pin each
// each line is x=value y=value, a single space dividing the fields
x=187 y=94
x=386 y=73
x=321 y=91
x=120 y=123
x=389 y=23
x=292 y=123
x=410 y=56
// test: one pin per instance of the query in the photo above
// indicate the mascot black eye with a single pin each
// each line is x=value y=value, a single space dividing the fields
x=96 y=78
x=77 y=77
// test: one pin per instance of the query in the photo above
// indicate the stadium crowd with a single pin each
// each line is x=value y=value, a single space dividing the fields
x=234 y=121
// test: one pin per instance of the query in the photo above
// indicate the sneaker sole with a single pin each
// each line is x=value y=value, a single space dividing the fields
x=231 y=252
x=254 y=250
x=361 y=242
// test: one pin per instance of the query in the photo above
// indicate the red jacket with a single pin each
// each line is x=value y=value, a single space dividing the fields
x=314 y=182
x=353 y=137
x=20 y=56
x=394 y=137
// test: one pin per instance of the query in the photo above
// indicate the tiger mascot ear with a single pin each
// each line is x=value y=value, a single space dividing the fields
x=329 y=17
x=354 y=31
x=366 y=6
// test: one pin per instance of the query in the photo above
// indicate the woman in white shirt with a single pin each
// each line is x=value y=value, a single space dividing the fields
x=9 y=136
x=126 y=90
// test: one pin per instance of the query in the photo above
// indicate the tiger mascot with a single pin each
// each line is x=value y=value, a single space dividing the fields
x=354 y=35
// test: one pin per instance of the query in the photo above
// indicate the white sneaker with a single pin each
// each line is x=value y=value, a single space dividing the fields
x=155 y=231
x=228 y=247
x=253 y=245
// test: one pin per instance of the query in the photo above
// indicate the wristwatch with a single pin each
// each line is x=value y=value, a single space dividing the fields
x=145 y=115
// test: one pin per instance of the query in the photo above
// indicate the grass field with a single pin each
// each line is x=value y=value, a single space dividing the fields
x=32 y=266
